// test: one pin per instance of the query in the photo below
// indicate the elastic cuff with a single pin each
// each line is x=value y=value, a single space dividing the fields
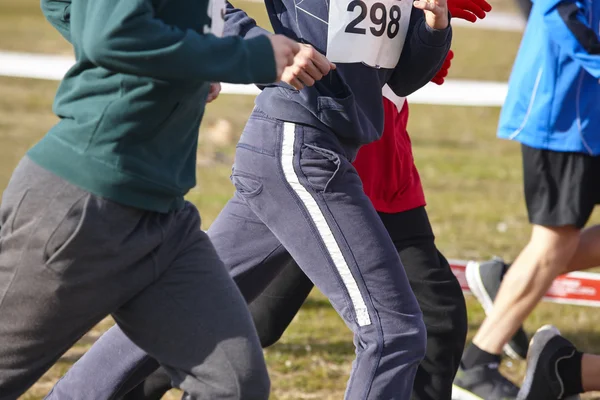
x=262 y=60
x=435 y=37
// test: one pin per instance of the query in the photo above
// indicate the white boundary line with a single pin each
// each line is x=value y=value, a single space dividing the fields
x=452 y=92
x=497 y=21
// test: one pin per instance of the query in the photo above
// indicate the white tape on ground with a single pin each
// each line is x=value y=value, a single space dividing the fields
x=497 y=21
x=452 y=92
x=36 y=66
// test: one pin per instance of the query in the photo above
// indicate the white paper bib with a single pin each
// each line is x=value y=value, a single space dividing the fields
x=368 y=31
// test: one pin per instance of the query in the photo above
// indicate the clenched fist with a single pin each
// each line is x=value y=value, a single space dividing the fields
x=284 y=49
x=309 y=66
x=215 y=89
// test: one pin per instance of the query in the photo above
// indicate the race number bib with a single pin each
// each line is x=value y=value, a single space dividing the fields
x=368 y=31
x=216 y=12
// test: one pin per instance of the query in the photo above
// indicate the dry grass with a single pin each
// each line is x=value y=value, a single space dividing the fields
x=472 y=181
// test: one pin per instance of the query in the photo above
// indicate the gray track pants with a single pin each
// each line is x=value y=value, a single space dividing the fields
x=69 y=258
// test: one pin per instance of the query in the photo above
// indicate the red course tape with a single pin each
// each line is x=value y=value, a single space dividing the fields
x=575 y=288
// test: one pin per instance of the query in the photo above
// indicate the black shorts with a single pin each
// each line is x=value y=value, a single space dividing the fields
x=561 y=188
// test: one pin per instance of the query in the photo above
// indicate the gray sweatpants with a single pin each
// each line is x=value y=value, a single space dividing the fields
x=69 y=258
x=296 y=190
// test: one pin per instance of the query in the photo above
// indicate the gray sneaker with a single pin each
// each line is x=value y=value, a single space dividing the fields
x=483 y=382
x=542 y=381
x=484 y=281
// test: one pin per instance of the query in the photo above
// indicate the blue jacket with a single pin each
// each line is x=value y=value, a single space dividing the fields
x=553 y=99
x=348 y=102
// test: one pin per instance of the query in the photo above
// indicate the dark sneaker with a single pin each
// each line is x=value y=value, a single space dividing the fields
x=542 y=381
x=484 y=281
x=483 y=382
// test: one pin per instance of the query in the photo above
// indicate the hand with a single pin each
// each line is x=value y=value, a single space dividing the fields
x=438 y=79
x=469 y=9
x=436 y=12
x=309 y=66
x=285 y=49
x=215 y=89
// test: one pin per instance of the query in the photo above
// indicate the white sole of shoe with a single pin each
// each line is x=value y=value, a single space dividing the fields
x=476 y=286
x=461 y=394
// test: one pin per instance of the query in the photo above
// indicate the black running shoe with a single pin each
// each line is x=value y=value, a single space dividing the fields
x=484 y=281
x=483 y=382
x=542 y=381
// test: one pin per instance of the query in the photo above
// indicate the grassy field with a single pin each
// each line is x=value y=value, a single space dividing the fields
x=472 y=182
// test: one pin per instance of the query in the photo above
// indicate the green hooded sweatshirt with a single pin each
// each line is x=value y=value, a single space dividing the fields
x=130 y=108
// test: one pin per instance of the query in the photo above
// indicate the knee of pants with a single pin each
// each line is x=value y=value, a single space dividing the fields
x=460 y=326
x=420 y=339
x=269 y=335
x=240 y=378
x=230 y=387
x=268 y=326
x=445 y=310
x=409 y=338
x=452 y=323
x=399 y=332
x=447 y=331
x=459 y=321
x=258 y=387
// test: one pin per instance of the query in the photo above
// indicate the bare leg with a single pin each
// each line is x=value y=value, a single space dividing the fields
x=543 y=259
x=590 y=372
x=588 y=250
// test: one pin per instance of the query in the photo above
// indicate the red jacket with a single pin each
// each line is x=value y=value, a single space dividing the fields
x=387 y=168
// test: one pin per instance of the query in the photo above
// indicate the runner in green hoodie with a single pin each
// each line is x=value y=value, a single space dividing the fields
x=94 y=222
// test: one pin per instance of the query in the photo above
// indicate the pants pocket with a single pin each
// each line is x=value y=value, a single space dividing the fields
x=320 y=166
x=9 y=214
x=246 y=184
x=64 y=236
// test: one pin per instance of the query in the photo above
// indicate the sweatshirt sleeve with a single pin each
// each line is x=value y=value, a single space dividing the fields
x=126 y=37
x=238 y=23
x=58 y=13
x=568 y=27
x=422 y=56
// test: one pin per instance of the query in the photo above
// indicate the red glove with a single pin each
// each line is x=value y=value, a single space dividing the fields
x=464 y=9
x=469 y=9
x=438 y=79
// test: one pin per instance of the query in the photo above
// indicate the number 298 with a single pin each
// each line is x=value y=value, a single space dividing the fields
x=378 y=14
